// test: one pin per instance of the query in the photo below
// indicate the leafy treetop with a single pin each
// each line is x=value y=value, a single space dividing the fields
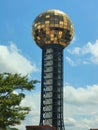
x=12 y=88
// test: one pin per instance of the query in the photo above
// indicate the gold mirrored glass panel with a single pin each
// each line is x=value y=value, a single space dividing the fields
x=52 y=27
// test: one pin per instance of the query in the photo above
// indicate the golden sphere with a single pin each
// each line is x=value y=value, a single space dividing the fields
x=52 y=27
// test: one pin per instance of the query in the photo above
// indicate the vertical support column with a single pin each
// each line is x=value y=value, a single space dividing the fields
x=47 y=86
x=52 y=87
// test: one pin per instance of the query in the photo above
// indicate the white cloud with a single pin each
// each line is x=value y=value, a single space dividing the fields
x=80 y=108
x=32 y=101
x=74 y=39
x=70 y=61
x=76 y=51
x=11 y=60
x=82 y=96
x=80 y=105
x=86 y=54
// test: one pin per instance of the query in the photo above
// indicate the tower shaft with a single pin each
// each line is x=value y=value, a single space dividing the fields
x=52 y=87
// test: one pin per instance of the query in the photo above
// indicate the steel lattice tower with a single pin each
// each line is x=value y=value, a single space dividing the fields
x=52 y=31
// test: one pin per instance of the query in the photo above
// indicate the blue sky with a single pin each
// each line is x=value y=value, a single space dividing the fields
x=19 y=53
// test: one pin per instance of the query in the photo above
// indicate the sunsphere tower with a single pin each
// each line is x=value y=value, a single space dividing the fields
x=52 y=31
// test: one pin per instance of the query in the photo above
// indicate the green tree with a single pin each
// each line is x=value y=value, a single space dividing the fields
x=12 y=87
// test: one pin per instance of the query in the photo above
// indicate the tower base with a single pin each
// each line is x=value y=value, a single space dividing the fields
x=45 y=127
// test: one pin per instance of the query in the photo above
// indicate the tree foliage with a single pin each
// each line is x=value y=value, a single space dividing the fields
x=12 y=88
